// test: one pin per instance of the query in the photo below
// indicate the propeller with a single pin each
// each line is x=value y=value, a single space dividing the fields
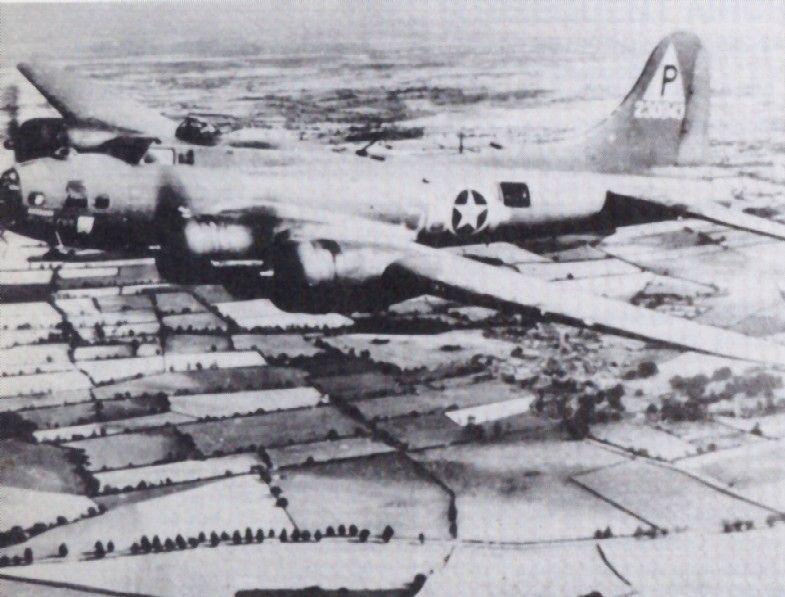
x=11 y=108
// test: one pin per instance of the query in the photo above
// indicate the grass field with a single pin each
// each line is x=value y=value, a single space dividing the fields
x=668 y=498
x=208 y=381
x=424 y=431
x=60 y=416
x=195 y=343
x=639 y=437
x=229 y=404
x=195 y=322
x=226 y=570
x=133 y=302
x=43 y=468
x=58 y=398
x=428 y=400
x=699 y=564
x=110 y=427
x=132 y=449
x=326 y=451
x=564 y=570
x=17 y=506
x=102 y=352
x=423 y=351
x=370 y=492
x=43 y=383
x=521 y=492
x=270 y=430
x=274 y=345
x=756 y=471
x=353 y=386
x=34 y=359
x=176 y=472
x=263 y=314
x=227 y=505
x=171 y=303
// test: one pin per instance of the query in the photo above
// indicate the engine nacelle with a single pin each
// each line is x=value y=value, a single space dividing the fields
x=323 y=276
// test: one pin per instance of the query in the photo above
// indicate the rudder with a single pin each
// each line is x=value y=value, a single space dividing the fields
x=663 y=120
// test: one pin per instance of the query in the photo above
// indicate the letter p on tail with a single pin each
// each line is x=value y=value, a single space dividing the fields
x=664 y=118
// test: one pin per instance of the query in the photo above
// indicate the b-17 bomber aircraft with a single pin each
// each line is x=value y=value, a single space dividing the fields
x=403 y=227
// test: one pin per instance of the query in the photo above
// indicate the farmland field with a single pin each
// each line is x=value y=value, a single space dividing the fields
x=171 y=303
x=423 y=351
x=195 y=322
x=166 y=516
x=270 y=430
x=57 y=398
x=43 y=383
x=333 y=564
x=353 y=386
x=34 y=359
x=229 y=404
x=60 y=416
x=565 y=570
x=190 y=343
x=428 y=400
x=668 y=498
x=43 y=468
x=133 y=302
x=370 y=492
x=326 y=451
x=424 y=431
x=132 y=449
x=756 y=472
x=110 y=427
x=273 y=345
x=263 y=314
x=48 y=506
x=521 y=492
x=209 y=380
x=177 y=472
x=636 y=436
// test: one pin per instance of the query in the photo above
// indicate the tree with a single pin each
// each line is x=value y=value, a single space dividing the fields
x=353 y=530
x=202 y=537
x=193 y=542
x=168 y=544
x=341 y=530
x=180 y=542
x=135 y=548
x=271 y=534
x=99 y=550
x=317 y=536
x=62 y=551
x=28 y=555
x=275 y=491
x=109 y=547
x=214 y=539
x=282 y=502
x=305 y=535
x=421 y=537
x=237 y=538
x=145 y=544
x=157 y=543
x=364 y=534
x=330 y=532
x=259 y=535
x=387 y=533
x=248 y=535
x=283 y=536
x=296 y=535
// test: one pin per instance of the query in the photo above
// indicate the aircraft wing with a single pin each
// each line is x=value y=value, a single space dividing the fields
x=458 y=276
x=87 y=103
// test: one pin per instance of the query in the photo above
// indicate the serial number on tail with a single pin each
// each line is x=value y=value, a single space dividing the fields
x=659 y=109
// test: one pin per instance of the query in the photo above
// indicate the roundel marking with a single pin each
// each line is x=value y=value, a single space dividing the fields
x=469 y=212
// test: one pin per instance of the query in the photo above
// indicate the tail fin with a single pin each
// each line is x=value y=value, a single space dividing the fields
x=664 y=118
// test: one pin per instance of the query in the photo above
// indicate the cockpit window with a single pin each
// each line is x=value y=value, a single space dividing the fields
x=75 y=203
x=515 y=194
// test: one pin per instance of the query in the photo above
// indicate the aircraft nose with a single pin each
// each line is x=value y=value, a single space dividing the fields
x=10 y=195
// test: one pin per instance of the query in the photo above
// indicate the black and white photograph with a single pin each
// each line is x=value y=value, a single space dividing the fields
x=392 y=298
